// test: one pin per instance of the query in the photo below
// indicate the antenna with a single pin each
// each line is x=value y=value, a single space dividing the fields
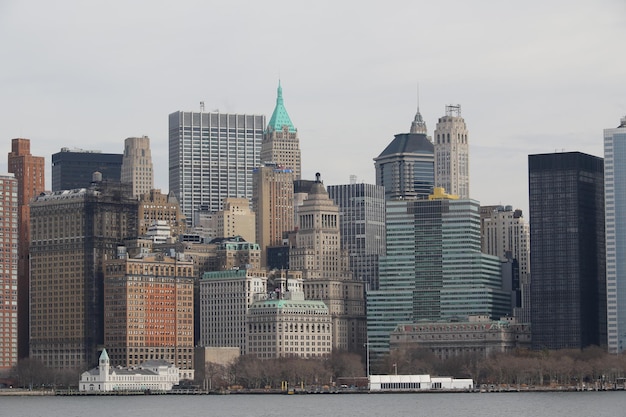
x=418 y=96
x=202 y=107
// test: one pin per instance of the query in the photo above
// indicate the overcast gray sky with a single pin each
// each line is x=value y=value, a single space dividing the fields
x=531 y=76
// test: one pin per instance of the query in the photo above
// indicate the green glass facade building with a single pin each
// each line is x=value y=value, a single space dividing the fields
x=433 y=269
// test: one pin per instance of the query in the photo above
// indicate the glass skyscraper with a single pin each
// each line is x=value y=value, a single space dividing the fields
x=615 y=199
x=433 y=268
x=211 y=157
x=567 y=250
x=362 y=224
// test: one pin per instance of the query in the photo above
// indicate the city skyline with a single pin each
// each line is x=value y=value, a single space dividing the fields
x=530 y=78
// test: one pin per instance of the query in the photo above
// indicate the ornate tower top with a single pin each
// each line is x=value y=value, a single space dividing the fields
x=280 y=118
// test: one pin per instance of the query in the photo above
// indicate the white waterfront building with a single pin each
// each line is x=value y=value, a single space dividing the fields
x=419 y=383
x=154 y=375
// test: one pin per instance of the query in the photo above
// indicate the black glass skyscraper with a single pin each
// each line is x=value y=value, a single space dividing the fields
x=567 y=250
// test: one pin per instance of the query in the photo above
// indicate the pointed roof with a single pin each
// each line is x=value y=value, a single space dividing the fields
x=280 y=117
x=104 y=356
x=418 y=125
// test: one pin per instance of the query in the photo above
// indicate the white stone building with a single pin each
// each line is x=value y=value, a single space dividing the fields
x=150 y=375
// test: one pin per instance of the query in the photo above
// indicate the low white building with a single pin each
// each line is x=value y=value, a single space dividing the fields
x=150 y=375
x=418 y=383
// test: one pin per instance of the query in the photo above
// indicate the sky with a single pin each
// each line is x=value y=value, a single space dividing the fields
x=531 y=77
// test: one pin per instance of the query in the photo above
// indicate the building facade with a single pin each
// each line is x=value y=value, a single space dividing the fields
x=273 y=203
x=362 y=227
x=137 y=165
x=615 y=194
x=452 y=153
x=406 y=166
x=72 y=233
x=281 y=144
x=236 y=219
x=155 y=206
x=149 y=310
x=289 y=326
x=433 y=268
x=224 y=300
x=211 y=157
x=74 y=168
x=9 y=244
x=506 y=234
x=477 y=336
x=29 y=171
x=149 y=376
x=325 y=268
x=567 y=250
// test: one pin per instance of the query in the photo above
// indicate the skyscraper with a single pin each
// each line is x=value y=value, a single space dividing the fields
x=137 y=165
x=73 y=232
x=74 y=168
x=211 y=157
x=362 y=227
x=325 y=270
x=506 y=234
x=273 y=203
x=433 y=268
x=406 y=166
x=615 y=198
x=8 y=271
x=452 y=153
x=29 y=171
x=149 y=310
x=567 y=250
x=281 y=144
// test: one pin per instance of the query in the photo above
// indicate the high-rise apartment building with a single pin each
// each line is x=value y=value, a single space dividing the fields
x=137 y=165
x=281 y=144
x=452 y=153
x=72 y=233
x=615 y=198
x=29 y=171
x=567 y=250
x=273 y=203
x=74 y=168
x=406 y=166
x=325 y=268
x=433 y=268
x=149 y=310
x=211 y=157
x=362 y=227
x=8 y=271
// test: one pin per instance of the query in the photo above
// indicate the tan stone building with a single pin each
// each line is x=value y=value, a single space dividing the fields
x=72 y=233
x=281 y=144
x=477 y=336
x=288 y=325
x=236 y=219
x=137 y=165
x=325 y=271
x=273 y=203
x=452 y=153
x=155 y=206
x=149 y=310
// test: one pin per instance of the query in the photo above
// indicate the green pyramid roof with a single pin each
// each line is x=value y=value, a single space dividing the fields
x=280 y=117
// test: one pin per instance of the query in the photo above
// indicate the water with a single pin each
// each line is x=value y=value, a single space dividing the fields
x=533 y=404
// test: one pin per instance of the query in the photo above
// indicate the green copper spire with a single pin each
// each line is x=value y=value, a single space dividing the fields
x=280 y=117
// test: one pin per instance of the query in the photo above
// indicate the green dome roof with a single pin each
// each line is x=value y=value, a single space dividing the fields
x=280 y=117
